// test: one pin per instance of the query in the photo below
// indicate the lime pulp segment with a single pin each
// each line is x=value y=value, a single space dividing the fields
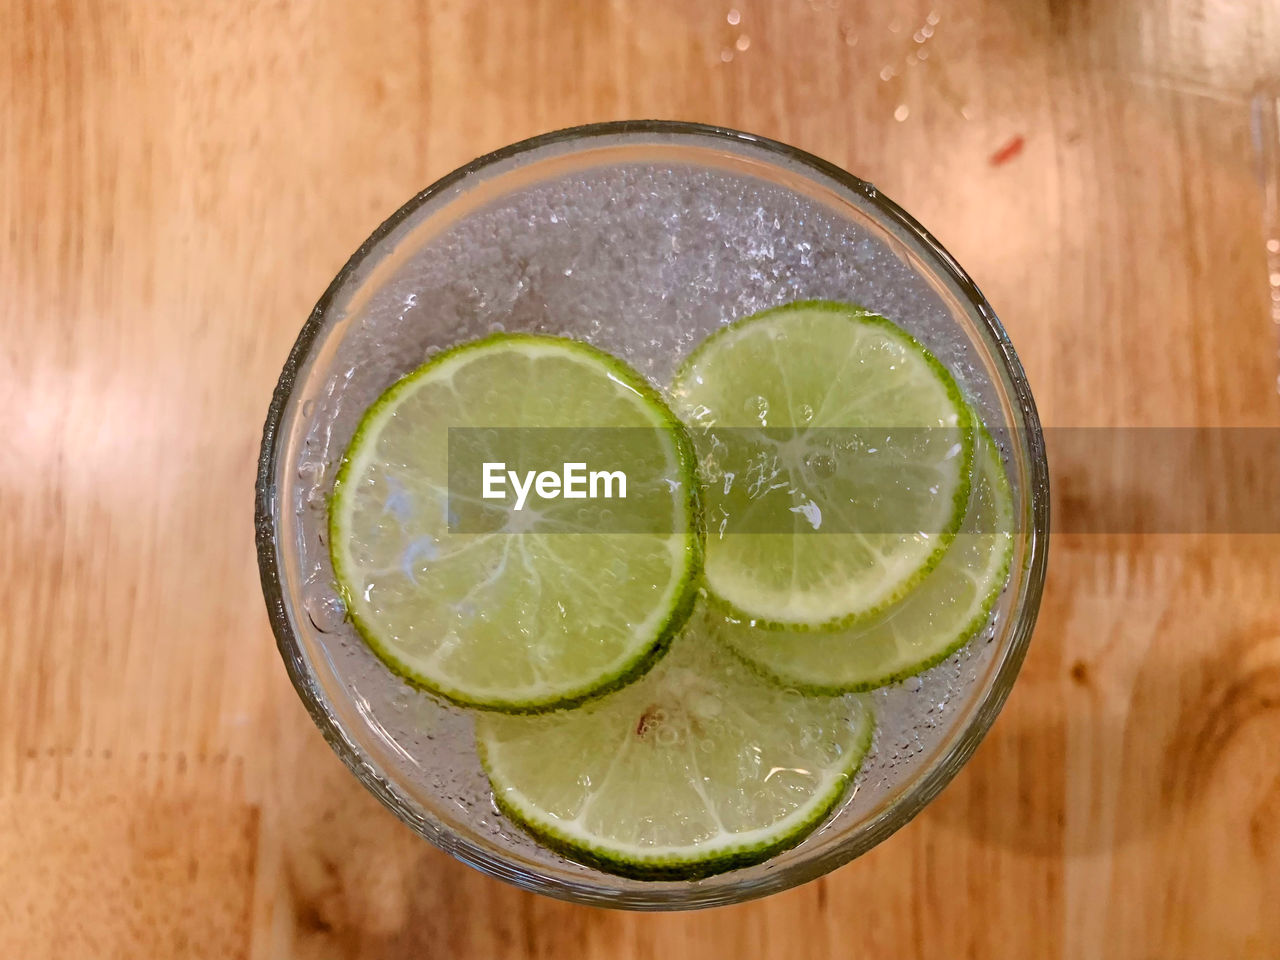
x=534 y=612
x=835 y=455
x=699 y=767
x=946 y=611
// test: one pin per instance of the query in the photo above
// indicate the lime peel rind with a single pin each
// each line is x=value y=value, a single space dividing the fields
x=995 y=575
x=673 y=866
x=682 y=595
x=716 y=709
x=965 y=426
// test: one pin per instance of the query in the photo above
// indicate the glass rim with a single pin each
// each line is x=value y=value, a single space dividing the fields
x=917 y=795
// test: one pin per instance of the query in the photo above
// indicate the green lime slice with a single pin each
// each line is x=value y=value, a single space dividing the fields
x=699 y=767
x=505 y=609
x=835 y=455
x=943 y=614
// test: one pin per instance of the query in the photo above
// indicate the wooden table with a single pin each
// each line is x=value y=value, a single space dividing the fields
x=179 y=181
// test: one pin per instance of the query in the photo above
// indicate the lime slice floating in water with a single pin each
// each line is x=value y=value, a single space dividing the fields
x=534 y=610
x=940 y=616
x=699 y=767
x=835 y=455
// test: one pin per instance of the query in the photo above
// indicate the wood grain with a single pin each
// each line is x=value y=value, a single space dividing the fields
x=179 y=181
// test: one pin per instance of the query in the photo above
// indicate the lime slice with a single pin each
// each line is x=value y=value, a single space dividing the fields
x=835 y=456
x=510 y=609
x=698 y=768
x=943 y=614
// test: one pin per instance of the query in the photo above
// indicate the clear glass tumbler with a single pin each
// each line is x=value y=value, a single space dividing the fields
x=601 y=232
